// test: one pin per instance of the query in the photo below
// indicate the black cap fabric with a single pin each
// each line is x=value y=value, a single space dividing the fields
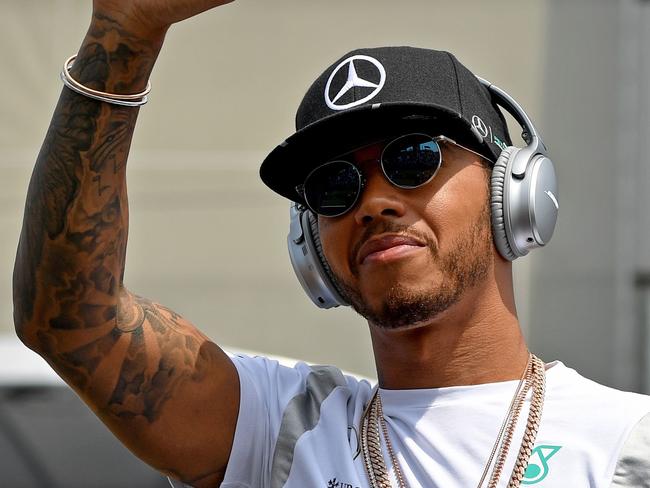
x=371 y=94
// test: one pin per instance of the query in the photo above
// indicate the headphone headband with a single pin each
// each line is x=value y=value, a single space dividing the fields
x=506 y=101
x=530 y=135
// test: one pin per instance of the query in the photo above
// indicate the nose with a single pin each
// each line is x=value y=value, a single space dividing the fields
x=380 y=199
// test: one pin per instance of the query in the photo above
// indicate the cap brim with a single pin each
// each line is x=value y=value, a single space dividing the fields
x=288 y=164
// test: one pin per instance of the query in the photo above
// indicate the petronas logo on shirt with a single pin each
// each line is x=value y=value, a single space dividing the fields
x=538 y=464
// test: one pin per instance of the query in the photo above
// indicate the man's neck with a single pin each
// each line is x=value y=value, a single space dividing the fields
x=478 y=340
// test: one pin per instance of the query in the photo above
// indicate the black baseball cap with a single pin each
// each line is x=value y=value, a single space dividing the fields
x=371 y=94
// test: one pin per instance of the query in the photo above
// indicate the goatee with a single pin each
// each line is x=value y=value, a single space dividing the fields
x=462 y=268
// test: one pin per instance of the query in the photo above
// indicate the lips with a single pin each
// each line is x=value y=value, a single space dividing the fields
x=383 y=243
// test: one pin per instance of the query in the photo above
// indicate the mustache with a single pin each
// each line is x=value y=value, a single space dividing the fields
x=388 y=227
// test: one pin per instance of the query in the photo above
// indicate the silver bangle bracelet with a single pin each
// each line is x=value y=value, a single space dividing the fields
x=132 y=100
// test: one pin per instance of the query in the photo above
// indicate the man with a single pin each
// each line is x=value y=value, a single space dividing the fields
x=401 y=196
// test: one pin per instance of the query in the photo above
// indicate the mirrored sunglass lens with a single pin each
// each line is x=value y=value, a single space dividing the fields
x=411 y=161
x=333 y=188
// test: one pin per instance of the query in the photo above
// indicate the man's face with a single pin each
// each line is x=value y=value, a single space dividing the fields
x=404 y=256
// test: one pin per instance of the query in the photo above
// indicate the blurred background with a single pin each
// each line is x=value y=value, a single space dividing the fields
x=209 y=240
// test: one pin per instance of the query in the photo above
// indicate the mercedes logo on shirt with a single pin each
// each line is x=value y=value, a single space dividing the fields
x=372 y=81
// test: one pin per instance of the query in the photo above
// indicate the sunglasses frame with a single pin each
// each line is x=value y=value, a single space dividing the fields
x=361 y=181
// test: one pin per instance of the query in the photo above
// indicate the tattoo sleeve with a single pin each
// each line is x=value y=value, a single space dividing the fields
x=123 y=352
x=161 y=386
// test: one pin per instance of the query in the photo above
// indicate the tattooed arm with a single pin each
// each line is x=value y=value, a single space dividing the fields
x=160 y=385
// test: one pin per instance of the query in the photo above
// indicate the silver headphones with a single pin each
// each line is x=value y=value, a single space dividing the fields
x=523 y=203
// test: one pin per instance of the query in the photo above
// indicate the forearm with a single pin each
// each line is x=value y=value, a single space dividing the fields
x=70 y=261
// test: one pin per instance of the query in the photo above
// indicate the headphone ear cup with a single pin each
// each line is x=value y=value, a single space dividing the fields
x=314 y=235
x=498 y=206
x=307 y=260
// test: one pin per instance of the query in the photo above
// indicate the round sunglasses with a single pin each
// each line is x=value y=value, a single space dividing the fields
x=409 y=161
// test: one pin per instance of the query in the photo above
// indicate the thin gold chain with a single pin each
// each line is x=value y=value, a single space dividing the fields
x=531 y=383
x=512 y=415
x=372 y=421
x=505 y=446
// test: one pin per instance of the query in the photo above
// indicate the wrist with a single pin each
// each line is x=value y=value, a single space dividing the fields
x=115 y=56
x=131 y=26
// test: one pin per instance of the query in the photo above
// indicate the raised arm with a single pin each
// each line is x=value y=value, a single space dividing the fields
x=160 y=385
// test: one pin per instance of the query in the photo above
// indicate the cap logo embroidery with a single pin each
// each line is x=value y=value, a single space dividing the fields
x=353 y=80
x=485 y=131
x=480 y=126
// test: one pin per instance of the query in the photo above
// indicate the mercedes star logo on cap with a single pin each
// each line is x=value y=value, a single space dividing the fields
x=353 y=80
x=480 y=126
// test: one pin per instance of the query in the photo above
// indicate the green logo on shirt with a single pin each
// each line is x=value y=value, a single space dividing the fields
x=538 y=464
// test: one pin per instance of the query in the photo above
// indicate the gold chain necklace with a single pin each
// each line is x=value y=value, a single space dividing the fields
x=510 y=419
x=373 y=425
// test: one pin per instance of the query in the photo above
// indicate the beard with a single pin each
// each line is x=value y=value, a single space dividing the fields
x=463 y=267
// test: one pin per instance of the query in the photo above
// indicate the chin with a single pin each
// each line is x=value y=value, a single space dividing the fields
x=403 y=307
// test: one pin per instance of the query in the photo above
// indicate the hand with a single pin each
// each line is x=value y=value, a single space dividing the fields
x=152 y=18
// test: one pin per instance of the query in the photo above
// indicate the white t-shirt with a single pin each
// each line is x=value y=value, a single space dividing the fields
x=298 y=428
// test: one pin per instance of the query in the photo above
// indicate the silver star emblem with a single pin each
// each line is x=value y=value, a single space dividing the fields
x=354 y=80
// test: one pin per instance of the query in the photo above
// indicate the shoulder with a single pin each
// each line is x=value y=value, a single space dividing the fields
x=289 y=377
x=583 y=394
x=597 y=410
x=283 y=402
x=287 y=389
x=633 y=463
x=607 y=427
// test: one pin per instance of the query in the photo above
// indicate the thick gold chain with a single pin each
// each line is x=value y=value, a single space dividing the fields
x=532 y=426
x=535 y=380
x=373 y=425
x=401 y=483
x=511 y=418
x=373 y=458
